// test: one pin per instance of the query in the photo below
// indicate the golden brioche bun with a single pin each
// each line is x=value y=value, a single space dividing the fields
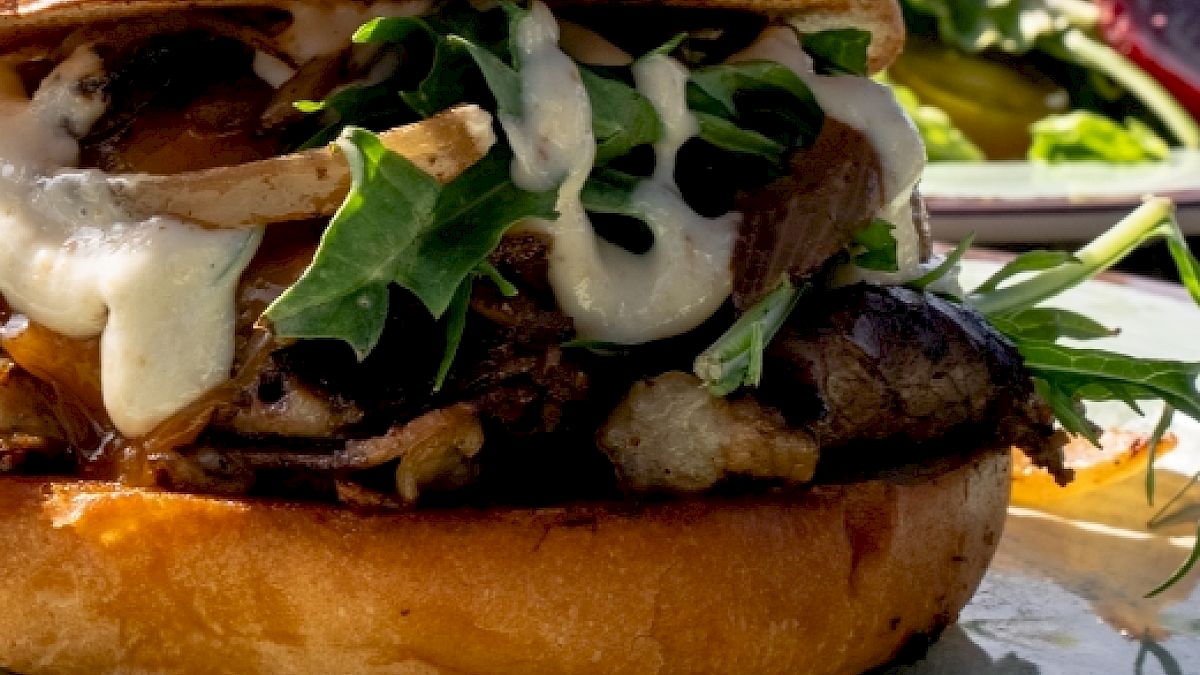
x=882 y=18
x=834 y=579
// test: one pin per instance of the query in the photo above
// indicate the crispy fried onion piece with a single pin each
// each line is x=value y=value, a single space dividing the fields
x=670 y=434
x=302 y=185
x=435 y=450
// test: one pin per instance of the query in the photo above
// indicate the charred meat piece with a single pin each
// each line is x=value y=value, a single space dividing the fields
x=31 y=438
x=167 y=110
x=798 y=222
x=869 y=375
x=868 y=363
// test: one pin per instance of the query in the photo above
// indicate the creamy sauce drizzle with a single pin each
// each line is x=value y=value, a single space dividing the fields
x=612 y=294
x=159 y=293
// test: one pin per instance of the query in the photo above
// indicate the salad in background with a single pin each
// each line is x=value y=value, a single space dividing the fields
x=1016 y=79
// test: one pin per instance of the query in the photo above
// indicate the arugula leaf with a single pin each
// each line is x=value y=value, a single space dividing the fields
x=1119 y=377
x=1152 y=220
x=839 y=51
x=1047 y=323
x=1067 y=410
x=1030 y=261
x=1183 y=570
x=343 y=293
x=622 y=118
x=736 y=358
x=471 y=215
x=610 y=191
x=716 y=89
x=726 y=135
x=1084 y=135
x=397 y=29
x=948 y=263
x=488 y=271
x=1158 y=516
x=502 y=79
x=1160 y=430
x=456 y=324
x=399 y=225
x=666 y=48
x=365 y=105
x=878 y=247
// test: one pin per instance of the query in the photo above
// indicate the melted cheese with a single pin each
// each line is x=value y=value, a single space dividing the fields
x=158 y=292
x=611 y=294
x=870 y=108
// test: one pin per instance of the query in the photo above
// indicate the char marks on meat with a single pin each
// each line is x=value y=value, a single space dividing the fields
x=794 y=225
x=868 y=363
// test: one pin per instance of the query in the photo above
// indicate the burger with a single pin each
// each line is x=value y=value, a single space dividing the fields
x=423 y=337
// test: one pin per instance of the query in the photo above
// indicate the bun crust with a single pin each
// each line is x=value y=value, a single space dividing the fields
x=882 y=18
x=835 y=579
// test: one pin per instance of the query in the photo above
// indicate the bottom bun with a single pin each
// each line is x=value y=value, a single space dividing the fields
x=835 y=579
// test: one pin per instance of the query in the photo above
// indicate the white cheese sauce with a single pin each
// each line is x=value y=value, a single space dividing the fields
x=159 y=293
x=870 y=108
x=611 y=294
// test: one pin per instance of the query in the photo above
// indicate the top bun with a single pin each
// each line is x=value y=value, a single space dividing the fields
x=882 y=18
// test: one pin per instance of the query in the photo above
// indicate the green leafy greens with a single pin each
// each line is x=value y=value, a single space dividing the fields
x=736 y=358
x=1066 y=375
x=399 y=225
x=1084 y=135
x=839 y=51
x=876 y=247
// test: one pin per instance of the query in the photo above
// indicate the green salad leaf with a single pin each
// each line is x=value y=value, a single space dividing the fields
x=839 y=51
x=1050 y=323
x=399 y=225
x=1085 y=135
x=876 y=247
x=716 y=90
x=622 y=118
x=736 y=358
x=952 y=259
x=727 y=135
x=1065 y=376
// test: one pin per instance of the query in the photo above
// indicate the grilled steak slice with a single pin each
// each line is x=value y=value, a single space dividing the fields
x=868 y=363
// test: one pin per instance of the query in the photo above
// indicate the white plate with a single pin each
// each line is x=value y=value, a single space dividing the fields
x=1064 y=594
x=1027 y=202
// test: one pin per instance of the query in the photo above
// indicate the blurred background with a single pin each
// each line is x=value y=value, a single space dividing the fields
x=1048 y=120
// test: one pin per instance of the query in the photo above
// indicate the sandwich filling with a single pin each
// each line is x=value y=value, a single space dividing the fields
x=553 y=322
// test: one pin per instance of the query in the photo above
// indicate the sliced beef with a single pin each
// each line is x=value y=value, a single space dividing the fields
x=794 y=225
x=867 y=363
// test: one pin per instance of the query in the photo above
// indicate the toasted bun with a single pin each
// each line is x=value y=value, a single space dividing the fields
x=882 y=18
x=835 y=579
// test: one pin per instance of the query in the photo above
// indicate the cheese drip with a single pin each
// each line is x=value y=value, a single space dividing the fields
x=611 y=294
x=159 y=293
